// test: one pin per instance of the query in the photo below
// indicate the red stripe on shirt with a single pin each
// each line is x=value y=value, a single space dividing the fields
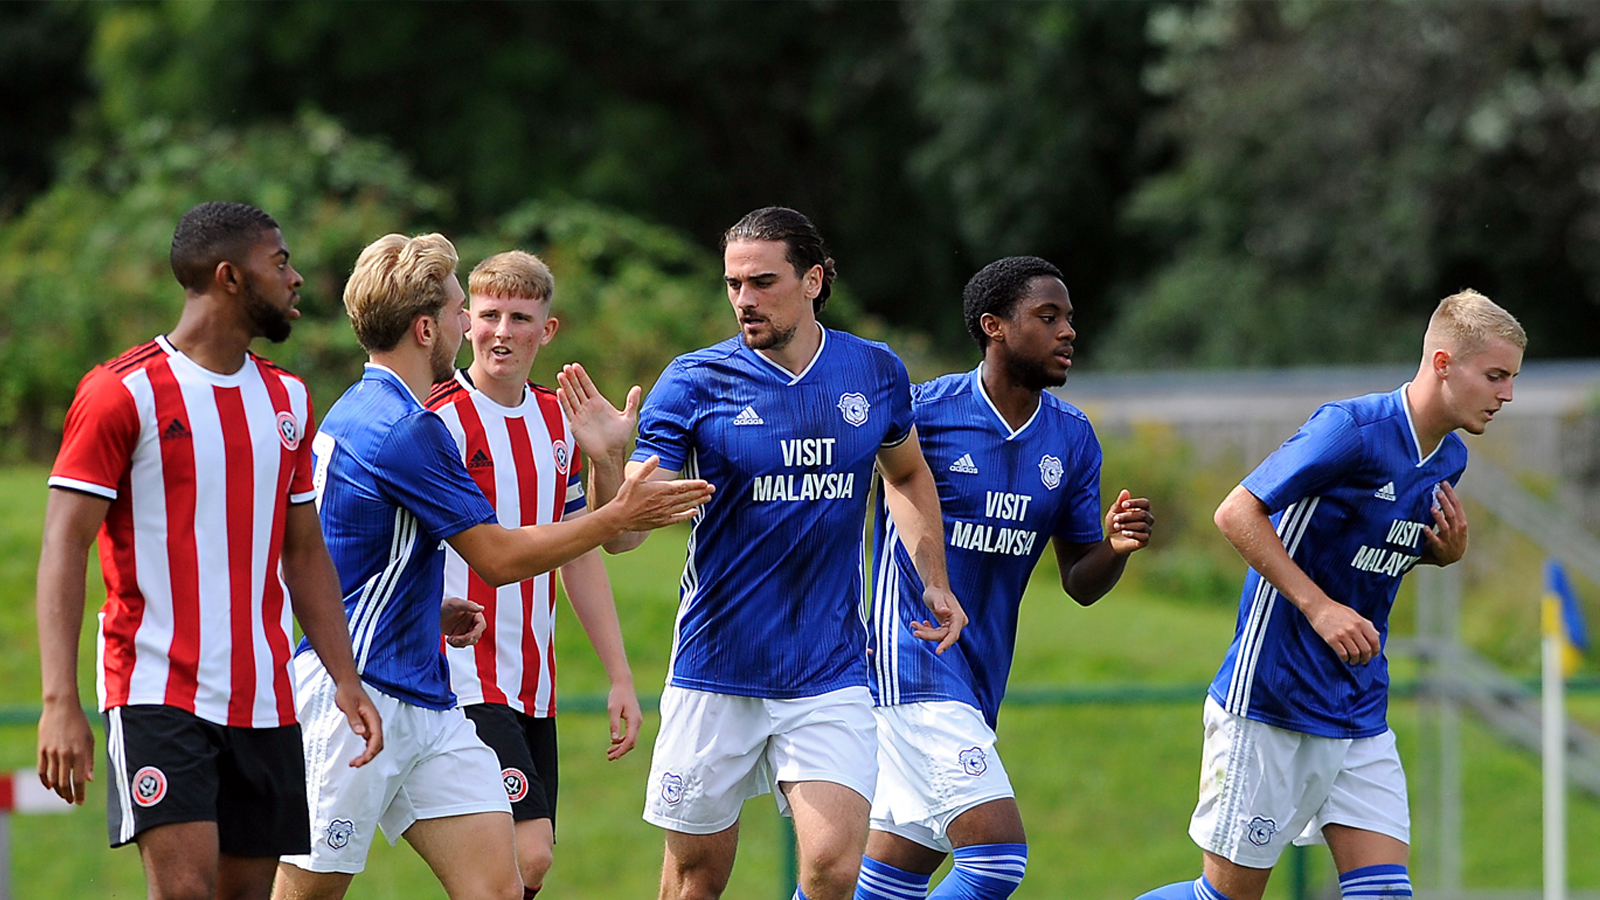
x=124 y=609
x=272 y=598
x=478 y=590
x=528 y=497
x=240 y=509
x=556 y=425
x=177 y=465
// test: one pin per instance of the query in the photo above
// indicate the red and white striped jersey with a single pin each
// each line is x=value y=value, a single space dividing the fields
x=525 y=461
x=200 y=469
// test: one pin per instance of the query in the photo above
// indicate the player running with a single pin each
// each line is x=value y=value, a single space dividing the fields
x=767 y=688
x=515 y=443
x=190 y=457
x=1297 y=743
x=1016 y=467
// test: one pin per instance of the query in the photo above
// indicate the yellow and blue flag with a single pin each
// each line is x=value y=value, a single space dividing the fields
x=1563 y=619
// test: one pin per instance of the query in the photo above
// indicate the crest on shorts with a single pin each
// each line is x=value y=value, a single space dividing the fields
x=1260 y=831
x=149 y=786
x=340 y=831
x=516 y=784
x=671 y=787
x=973 y=761
x=1050 y=470
x=289 y=431
x=558 y=449
x=855 y=407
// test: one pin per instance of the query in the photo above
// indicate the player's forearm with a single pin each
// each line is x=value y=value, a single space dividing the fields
x=914 y=503
x=1093 y=574
x=59 y=607
x=503 y=555
x=589 y=592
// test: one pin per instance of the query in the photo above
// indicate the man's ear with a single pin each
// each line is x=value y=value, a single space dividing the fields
x=551 y=326
x=1441 y=363
x=993 y=326
x=228 y=276
x=424 y=330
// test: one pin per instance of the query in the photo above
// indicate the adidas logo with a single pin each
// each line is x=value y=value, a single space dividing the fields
x=479 y=460
x=175 y=431
x=748 y=416
x=965 y=465
x=1385 y=493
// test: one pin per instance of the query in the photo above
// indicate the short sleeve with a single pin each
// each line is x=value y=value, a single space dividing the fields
x=97 y=443
x=1327 y=447
x=419 y=469
x=900 y=419
x=301 y=487
x=666 y=420
x=1079 y=521
x=576 y=499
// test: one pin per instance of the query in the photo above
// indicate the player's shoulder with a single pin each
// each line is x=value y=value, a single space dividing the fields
x=445 y=393
x=716 y=353
x=855 y=343
x=270 y=369
x=1062 y=410
x=955 y=386
x=1367 y=409
x=130 y=360
x=541 y=391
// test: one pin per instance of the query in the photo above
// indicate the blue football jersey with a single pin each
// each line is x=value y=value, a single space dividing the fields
x=1349 y=493
x=390 y=489
x=771 y=600
x=1004 y=494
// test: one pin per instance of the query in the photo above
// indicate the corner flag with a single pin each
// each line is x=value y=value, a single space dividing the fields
x=1562 y=617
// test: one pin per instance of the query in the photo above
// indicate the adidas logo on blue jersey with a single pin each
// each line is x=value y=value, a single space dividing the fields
x=748 y=416
x=965 y=465
x=1385 y=493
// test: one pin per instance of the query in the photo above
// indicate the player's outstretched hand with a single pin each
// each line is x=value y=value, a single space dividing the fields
x=357 y=707
x=66 y=750
x=1447 y=539
x=645 y=504
x=1347 y=632
x=948 y=618
x=622 y=705
x=600 y=428
x=1128 y=523
x=461 y=621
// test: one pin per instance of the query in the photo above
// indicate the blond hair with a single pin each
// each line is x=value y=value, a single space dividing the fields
x=1465 y=322
x=396 y=279
x=512 y=274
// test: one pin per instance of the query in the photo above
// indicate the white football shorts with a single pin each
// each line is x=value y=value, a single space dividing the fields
x=936 y=760
x=715 y=751
x=432 y=765
x=1261 y=786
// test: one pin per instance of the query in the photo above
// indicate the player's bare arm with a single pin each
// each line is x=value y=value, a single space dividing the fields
x=1447 y=538
x=589 y=592
x=502 y=555
x=1090 y=571
x=66 y=745
x=913 y=499
x=1245 y=521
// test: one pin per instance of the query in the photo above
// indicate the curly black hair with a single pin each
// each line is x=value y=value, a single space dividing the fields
x=210 y=233
x=996 y=289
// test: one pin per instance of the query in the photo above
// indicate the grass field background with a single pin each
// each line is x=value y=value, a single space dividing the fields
x=1105 y=789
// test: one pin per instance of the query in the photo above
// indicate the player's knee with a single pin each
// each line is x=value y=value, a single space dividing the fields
x=831 y=874
x=535 y=865
x=1385 y=882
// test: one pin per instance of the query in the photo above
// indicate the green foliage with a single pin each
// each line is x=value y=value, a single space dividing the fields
x=84 y=267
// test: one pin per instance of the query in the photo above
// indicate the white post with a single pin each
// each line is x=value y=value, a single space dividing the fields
x=1555 y=762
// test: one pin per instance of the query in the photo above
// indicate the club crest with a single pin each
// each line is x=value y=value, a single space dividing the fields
x=340 y=831
x=855 y=407
x=1050 y=470
x=671 y=787
x=973 y=761
x=149 y=786
x=1260 y=831
x=558 y=449
x=289 y=431
x=516 y=784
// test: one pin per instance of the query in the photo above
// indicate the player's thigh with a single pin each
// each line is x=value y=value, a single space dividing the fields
x=937 y=765
x=709 y=758
x=164 y=770
x=1259 y=787
x=1368 y=795
x=472 y=855
x=830 y=738
x=455 y=774
x=697 y=864
x=526 y=753
x=245 y=877
x=180 y=859
x=830 y=820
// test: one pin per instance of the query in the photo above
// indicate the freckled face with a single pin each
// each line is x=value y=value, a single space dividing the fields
x=507 y=334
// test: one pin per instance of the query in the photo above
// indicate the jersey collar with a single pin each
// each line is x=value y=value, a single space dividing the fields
x=220 y=379
x=1005 y=428
x=793 y=378
x=1411 y=427
x=464 y=378
x=383 y=373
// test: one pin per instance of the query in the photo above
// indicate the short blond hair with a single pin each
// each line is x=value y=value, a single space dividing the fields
x=396 y=279
x=512 y=274
x=1465 y=322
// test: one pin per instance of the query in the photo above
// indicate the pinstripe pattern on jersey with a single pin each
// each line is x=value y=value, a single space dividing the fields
x=1291 y=528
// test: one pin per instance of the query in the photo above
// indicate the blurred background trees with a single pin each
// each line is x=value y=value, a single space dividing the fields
x=1224 y=183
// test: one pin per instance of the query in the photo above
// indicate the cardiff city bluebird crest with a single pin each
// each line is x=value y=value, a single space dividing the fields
x=516 y=784
x=558 y=449
x=671 y=787
x=1260 y=831
x=340 y=831
x=855 y=407
x=1050 y=470
x=973 y=761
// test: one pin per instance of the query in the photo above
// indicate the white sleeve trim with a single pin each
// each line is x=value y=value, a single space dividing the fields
x=87 y=487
